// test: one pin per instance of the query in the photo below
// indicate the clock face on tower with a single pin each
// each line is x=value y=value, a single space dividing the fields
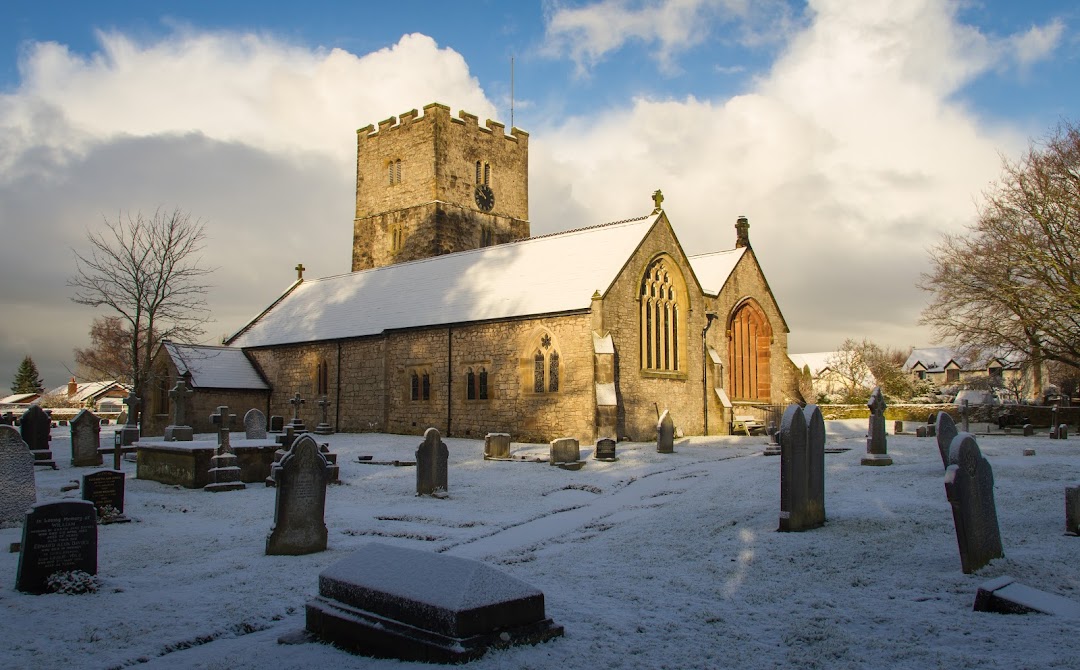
x=485 y=197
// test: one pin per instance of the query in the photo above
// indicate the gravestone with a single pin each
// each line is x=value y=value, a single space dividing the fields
x=36 y=428
x=497 y=446
x=969 y=486
x=931 y=425
x=946 y=431
x=85 y=440
x=665 y=434
x=876 y=440
x=431 y=457
x=565 y=450
x=277 y=424
x=1004 y=595
x=1063 y=431
x=18 y=490
x=7 y=419
x=1029 y=430
x=802 y=469
x=300 y=503
x=105 y=488
x=285 y=442
x=57 y=537
x=255 y=425
x=224 y=469
x=605 y=450
x=179 y=430
x=296 y=423
x=1072 y=510
x=965 y=411
x=898 y=427
x=130 y=430
x=920 y=431
x=324 y=427
x=415 y=605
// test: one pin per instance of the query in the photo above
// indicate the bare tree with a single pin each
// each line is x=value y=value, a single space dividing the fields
x=1011 y=283
x=850 y=367
x=147 y=270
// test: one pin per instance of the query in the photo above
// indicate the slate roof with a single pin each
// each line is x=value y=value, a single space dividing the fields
x=215 y=367
x=540 y=275
x=89 y=391
x=713 y=269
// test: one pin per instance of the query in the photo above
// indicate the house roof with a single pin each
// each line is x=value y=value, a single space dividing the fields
x=89 y=391
x=713 y=269
x=215 y=367
x=19 y=398
x=540 y=275
x=818 y=361
x=935 y=359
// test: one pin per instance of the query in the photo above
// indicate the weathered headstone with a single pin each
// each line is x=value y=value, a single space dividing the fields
x=18 y=490
x=497 y=446
x=105 y=488
x=565 y=450
x=130 y=430
x=324 y=427
x=224 y=469
x=876 y=446
x=1029 y=430
x=946 y=431
x=605 y=450
x=431 y=458
x=665 y=434
x=7 y=419
x=180 y=431
x=36 y=428
x=965 y=411
x=418 y=605
x=85 y=439
x=969 y=486
x=296 y=423
x=1072 y=510
x=277 y=424
x=802 y=484
x=300 y=503
x=931 y=425
x=57 y=537
x=1004 y=595
x=898 y=427
x=255 y=424
x=1063 y=431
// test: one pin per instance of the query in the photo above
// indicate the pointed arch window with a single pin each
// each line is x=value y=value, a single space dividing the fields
x=393 y=169
x=415 y=386
x=749 y=353
x=425 y=386
x=553 y=372
x=660 y=316
x=538 y=372
x=322 y=378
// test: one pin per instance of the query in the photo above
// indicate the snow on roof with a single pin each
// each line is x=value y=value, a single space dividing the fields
x=932 y=358
x=540 y=275
x=215 y=367
x=19 y=398
x=817 y=361
x=713 y=269
x=88 y=390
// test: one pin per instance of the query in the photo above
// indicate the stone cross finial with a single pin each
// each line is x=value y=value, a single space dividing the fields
x=324 y=403
x=658 y=199
x=180 y=394
x=296 y=401
x=223 y=420
x=300 y=271
x=133 y=403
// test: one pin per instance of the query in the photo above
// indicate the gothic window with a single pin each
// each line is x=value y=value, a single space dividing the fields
x=748 y=348
x=393 y=169
x=482 y=382
x=660 y=314
x=553 y=372
x=478 y=173
x=425 y=386
x=487 y=173
x=470 y=385
x=397 y=237
x=322 y=378
x=415 y=378
x=483 y=172
x=538 y=372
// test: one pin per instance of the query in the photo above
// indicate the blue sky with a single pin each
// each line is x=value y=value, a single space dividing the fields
x=851 y=134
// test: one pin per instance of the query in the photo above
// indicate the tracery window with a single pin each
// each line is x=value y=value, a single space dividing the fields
x=660 y=314
x=544 y=364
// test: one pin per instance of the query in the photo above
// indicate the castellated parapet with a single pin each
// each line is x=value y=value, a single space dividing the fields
x=417 y=179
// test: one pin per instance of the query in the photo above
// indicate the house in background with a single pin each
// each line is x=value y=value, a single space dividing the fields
x=103 y=396
x=824 y=380
x=947 y=368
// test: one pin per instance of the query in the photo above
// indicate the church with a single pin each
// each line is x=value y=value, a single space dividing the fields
x=452 y=316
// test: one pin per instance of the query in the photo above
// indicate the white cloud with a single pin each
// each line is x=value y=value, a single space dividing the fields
x=1037 y=43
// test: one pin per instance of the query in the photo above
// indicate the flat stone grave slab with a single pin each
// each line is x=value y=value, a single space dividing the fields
x=1005 y=596
x=57 y=537
x=394 y=602
x=188 y=464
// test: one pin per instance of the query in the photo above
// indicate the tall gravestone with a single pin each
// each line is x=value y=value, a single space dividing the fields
x=180 y=431
x=36 y=428
x=969 y=486
x=57 y=537
x=296 y=423
x=324 y=427
x=224 y=469
x=300 y=503
x=431 y=468
x=665 y=434
x=130 y=430
x=802 y=469
x=876 y=447
x=946 y=431
x=255 y=424
x=85 y=439
x=18 y=490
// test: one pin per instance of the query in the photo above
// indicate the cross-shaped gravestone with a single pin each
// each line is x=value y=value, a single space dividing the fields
x=324 y=428
x=965 y=409
x=286 y=438
x=876 y=447
x=300 y=270
x=223 y=420
x=180 y=396
x=133 y=403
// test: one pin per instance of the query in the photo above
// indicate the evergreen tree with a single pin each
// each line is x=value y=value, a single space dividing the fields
x=27 y=379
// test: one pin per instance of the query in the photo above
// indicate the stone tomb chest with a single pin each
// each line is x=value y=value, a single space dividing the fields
x=394 y=602
x=187 y=464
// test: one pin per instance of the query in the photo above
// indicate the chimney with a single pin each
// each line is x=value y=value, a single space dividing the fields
x=73 y=387
x=742 y=232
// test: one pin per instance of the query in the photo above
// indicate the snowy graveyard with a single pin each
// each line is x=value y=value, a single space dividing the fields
x=653 y=560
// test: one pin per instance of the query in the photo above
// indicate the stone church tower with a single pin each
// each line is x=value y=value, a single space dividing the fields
x=431 y=185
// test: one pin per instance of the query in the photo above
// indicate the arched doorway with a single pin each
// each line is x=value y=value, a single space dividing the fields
x=750 y=375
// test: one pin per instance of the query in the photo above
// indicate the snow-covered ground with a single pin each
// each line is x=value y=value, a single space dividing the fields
x=654 y=561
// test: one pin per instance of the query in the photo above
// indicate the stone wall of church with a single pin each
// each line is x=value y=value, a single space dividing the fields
x=643 y=393
x=293 y=369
